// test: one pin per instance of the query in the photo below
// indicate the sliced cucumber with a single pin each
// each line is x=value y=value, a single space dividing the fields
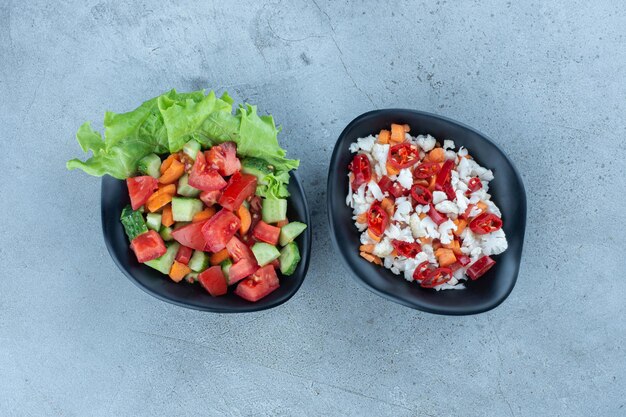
x=257 y=167
x=150 y=165
x=166 y=233
x=191 y=277
x=265 y=253
x=185 y=189
x=164 y=263
x=191 y=148
x=290 y=231
x=226 y=269
x=274 y=210
x=183 y=209
x=199 y=261
x=133 y=222
x=153 y=221
x=289 y=258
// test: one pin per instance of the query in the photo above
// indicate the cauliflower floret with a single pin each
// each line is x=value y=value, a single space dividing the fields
x=461 y=201
x=376 y=191
x=430 y=253
x=448 y=144
x=431 y=228
x=354 y=147
x=460 y=186
x=349 y=199
x=492 y=208
x=395 y=232
x=470 y=241
x=366 y=239
x=427 y=143
x=451 y=155
x=383 y=248
x=462 y=152
x=405 y=178
x=359 y=196
x=447 y=207
x=464 y=169
x=494 y=243
x=475 y=211
x=486 y=175
x=379 y=154
x=366 y=143
x=438 y=197
x=445 y=231
x=417 y=228
x=403 y=209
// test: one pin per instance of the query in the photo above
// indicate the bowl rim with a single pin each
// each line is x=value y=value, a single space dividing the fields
x=448 y=311
x=253 y=307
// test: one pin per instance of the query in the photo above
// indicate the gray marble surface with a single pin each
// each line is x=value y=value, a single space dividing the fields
x=546 y=80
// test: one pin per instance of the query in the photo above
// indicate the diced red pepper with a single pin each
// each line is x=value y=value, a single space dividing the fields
x=480 y=267
x=422 y=271
x=436 y=216
x=485 y=223
x=426 y=170
x=463 y=259
x=407 y=249
x=361 y=169
x=474 y=184
x=444 y=175
x=436 y=277
x=403 y=155
x=377 y=219
x=421 y=194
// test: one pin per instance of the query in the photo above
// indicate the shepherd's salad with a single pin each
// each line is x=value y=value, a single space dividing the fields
x=208 y=191
x=423 y=208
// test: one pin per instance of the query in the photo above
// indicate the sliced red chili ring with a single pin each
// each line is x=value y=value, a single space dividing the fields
x=480 y=267
x=444 y=175
x=485 y=223
x=377 y=219
x=391 y=187
x=426 y=170
x=436 y=277
x=436 y=216
x=407 y=249
x=422 y=271
x=449 y=190
x=403 y=155
x=421 y=194
x=474 y=184
x=362 y=170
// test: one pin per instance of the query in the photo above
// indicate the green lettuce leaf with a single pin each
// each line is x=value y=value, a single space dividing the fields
x=165 y=123
x=274 y=185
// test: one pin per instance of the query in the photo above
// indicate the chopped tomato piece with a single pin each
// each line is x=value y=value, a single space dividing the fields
x=204 y=177
x=224 y=158
x=184 y=254
x=210 y=197
x=219 y=229
x=480 y=267
x=259 y=285
x=241 y=269
x=362 y=170
x=140 y=189
x=191 y=235
x=240 y=186
x=148 y=246
x=213 y=281
x=238 y=250
x=266 y=233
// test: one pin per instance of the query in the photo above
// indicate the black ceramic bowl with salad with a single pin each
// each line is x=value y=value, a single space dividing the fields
x=200 y=206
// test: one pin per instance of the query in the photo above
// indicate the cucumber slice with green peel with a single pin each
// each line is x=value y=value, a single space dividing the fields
x=274 y=210
x=183 y=208
x=265 y=253
x=164 y=263
x=289 y=258
x=199 y=261
x=192 y=277
x=166 y=233
x=133 y=222
x=191 y=148
x=153 y=221
x=257 y=167
x=226 y=269
x=150 y=165
x=185 y=189
x=290 y=231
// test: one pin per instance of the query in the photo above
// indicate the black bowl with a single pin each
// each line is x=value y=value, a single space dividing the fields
x=115 y=197
x=507 y=191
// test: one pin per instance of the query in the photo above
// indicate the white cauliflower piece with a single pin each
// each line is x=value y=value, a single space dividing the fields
x=475 y=211
x=417 y=228
x=376 y=191
x=393 y=231
x=403 y=209
x=432 y=230
x=486 y=175
x=427 y=143
x=462 y=152
x=494 y=243
x=366 y=143
x=405 y=178
x=447 y=207
x=354 y=147
x=379 y=154
x=492 y=208
x=438 y=197
x=430 y=253
x=448 y=144
x=349 y=199
x=464 y=169
x=451 y=155
x=461 y=201
x=366 y=239
x=445 y=231
x=383 y=248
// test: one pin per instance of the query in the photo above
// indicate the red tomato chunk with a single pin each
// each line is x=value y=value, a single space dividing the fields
x=148 y=246
x=224 y=158
x=262 y=283
x=240 y=186
x=140 y=189
x=219 y=229
x=266 y=233
x=213 y=281
x=191 y=235
x=242 y=269
x=184 y=254
x=204 y=177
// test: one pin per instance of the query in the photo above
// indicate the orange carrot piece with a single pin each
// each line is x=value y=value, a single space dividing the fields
x=367 y=248
x=246 y=219
x=373 y=236
x=218 y=257
x=362 y=218
x=207 y=213
x=391 y=170
x=397 y=133
x=178 y=271
x=388 y=205
x=371 y=258
x=383 y=136
x=167 y=219
x=160 y=198
x=168 y=162
x=455 y=246
x=422 y=216
x=425 y=240
x=460 y=226
x=436 y=244
x=437 y=155
x=482 y=206
x=173 y=173
x=445 y=257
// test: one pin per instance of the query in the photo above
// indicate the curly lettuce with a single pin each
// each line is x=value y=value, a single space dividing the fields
x=165 y=123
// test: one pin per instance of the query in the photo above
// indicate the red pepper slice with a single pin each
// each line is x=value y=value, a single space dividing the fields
x=422 y=271
x=362 y=170
x=474 y=184
x=463 y=259
x=485 y=223
x=377 y=219
x=421 y=194
x=403 y=155
x=449 y=190
x=436 y=216
x=436 y=277
x=393 y=188
x=444 y=175
x=410 y=250
x=426 y=170
x=480 y=267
